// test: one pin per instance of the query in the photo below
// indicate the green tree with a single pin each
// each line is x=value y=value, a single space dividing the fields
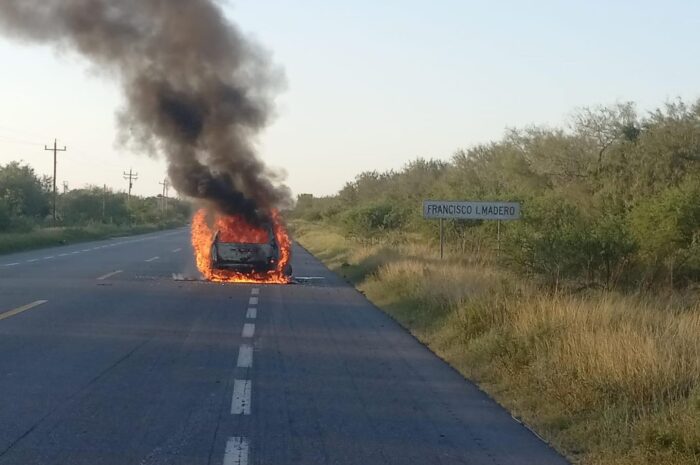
x=22 y=190
x=611 y=199
x=23 y=196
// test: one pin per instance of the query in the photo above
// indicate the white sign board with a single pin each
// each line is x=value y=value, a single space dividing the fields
x=471 y=210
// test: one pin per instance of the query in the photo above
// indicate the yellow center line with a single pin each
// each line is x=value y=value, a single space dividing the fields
x=21 y=309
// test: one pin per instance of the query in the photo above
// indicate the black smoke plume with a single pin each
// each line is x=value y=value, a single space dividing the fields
x=196 y=90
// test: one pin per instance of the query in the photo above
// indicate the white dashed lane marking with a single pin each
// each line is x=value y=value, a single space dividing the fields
x=21 y=309
x=109 y=275
x=67 y=254
x=245 y=356
x=248 y=330
x=237 y=448
x=236 y=451
x=240 y=402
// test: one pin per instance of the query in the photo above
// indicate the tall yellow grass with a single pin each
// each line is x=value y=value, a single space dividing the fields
x=608 y=378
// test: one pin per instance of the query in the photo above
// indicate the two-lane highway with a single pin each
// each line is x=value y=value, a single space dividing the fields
x=106 y=359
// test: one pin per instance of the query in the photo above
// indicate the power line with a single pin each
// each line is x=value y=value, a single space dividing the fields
x=55 y=150
x=21 y=133
x=18 y=141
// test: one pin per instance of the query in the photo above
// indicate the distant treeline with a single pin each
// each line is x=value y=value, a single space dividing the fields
x=26 y=204
x=611 y=200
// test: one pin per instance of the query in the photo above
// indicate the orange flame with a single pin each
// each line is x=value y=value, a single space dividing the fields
x=236 y=229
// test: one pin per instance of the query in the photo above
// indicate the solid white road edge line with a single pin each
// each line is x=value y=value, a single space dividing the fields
x=253 y=301
x=252 y=313
x=240 y=401
x=109 y=275
x=248 y=330
x=255 y=291
x=236 y=451
x=245 y=356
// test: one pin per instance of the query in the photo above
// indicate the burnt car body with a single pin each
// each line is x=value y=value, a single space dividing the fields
x=245 y=257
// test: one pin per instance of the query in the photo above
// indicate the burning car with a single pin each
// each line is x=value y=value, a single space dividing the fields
x=247 y=257
x=230 y=249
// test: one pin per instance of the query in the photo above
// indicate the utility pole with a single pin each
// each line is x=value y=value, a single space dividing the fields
x=131 y=177
x=65 y=186
x=104 y=201
x=166 y=189
x=55 y=150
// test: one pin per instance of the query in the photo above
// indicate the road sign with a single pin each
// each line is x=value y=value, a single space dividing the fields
x=465 y=210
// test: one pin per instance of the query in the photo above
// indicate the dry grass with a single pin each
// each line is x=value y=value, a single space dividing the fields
x=608 y=378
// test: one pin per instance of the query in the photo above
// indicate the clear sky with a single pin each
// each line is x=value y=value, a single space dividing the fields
x=374 y=84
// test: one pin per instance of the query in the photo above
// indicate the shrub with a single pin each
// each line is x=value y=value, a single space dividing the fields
x=667 y=228
x=5 y=218
x=366 y=221
x=557 y=240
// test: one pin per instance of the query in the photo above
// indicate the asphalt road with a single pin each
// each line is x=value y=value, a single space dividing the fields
x=106 y=359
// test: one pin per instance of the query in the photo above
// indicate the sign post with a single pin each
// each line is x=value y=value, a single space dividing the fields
x=498 y=238
x=442 y=238
x=468 y=210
